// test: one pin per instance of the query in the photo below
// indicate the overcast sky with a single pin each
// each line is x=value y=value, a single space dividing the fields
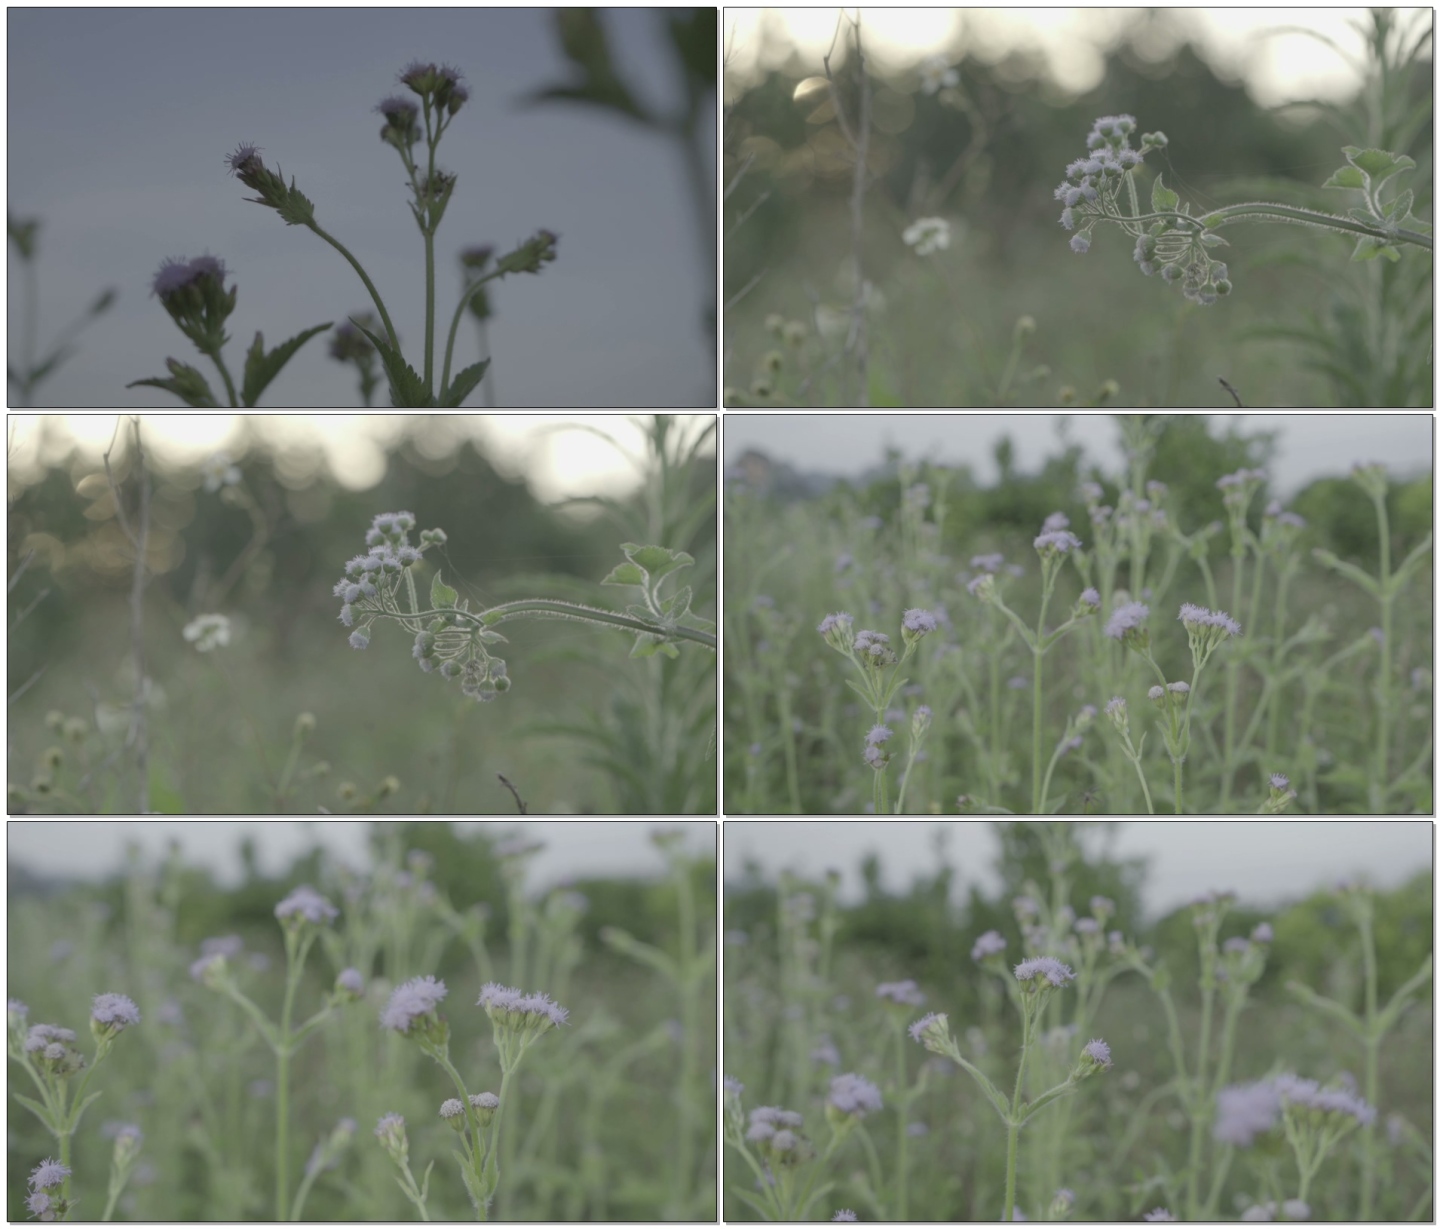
x=1310 y=445
x=120 y=121
x=92 y=849
x=1264 y=862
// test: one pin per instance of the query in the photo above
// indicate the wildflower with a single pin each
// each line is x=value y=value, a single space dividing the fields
x=1056 y=542
x=1158 y=1214
x=111 y=1014
x=47 y=1174
x=390 y=1131
x=732 y=1086
x=351 y=982
x=1090 y=598
x=218 y=471
x=854 y=1095
x=917 y=623
x=879 y=734
x=825 y=1053
x=928 y=235
x=1043 y=972
x=931 y=1031
x=1263 y=933
x=836 y=629
x=453 y=1113
x=1126 y=623
x=1080 y=243
x=991 y=943
x=306 y=903
x=936 y=73
x=844 y=1214
x=208 y=631
x=1098 y=1053
x=413 y=1000
x=905 y=992
x=360 y=638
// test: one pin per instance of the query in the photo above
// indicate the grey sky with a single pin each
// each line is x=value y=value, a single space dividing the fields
x=1264 y=862
x=91 y=849
x=120 y=121
x=1310 y=445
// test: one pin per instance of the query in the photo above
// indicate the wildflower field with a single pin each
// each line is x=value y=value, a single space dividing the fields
x=262 y=631
x=981 y=207
x=1047 y=1053
x=1169 y=639
x=424 y=1038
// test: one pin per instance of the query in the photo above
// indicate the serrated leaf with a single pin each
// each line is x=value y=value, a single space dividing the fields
x=442 y=596
x=1379 y=164
x=261 y=368
x=464 y=383
x=1346 y=177
x=407 y=389
x=1162 y=199
x=656 y=560
x=1367 y=247
x=186 y=383
x=625 y=574
x=1400 y=206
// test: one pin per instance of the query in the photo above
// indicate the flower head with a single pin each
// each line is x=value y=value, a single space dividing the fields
x=1098 y=1052
x=855 y=1095
x=509 y=1007
x=917 y=623
x=1056 y=541
x=306 y=904
x=411 y=1001
x=47 y=1174
x=904 y=992
x=114 y=1011
x=208 y=631
x=1044 y=971
x=1127 y=620
x=936 y=74
x=991 y=943
x=927 y=235
x=931 y=1031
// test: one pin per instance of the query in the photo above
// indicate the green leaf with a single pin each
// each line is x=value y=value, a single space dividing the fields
x=625 y=574
x=442 y=596
x=658 y=561
x=407 y=388
x=34 y=1107
x=1400 y=206
x=186 y=383
x=463 y=383
x=1162 y=199
x=1378 y=164
x=261 y=368
x=1346 y=177
x=1368 y=247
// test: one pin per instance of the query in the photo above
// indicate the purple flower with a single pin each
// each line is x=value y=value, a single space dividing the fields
x=991 y=943
x=42 y=1035
x=831 y=622
x=1127 y=618
x=879 y=734
x=919 y=622
x=359 y=638
x=1180 y=687
x=1278 y=780
x=1263 y=933
x=918 y=1029
x=1056 y=520
x=175 y=275
x=308 y=904
x=410 y=1001
x=988 y=563
x=1091 y=598
x=114 y=1011
x=350 y=980
x=503 y=1004
x=1117 y=704
x=906 y=992
x=1058 y=541
x=1047 y=967
x=854 y=1094
x=874 y=643
x=1099 y=1052
x=1198 y=616
x=1159 y=1214
x=451 y=1108
x=391 y=1125
x=844 y=1214
x=47 y=1174
x=1080 y=243
x=732 y=1086
x=1244 y=1111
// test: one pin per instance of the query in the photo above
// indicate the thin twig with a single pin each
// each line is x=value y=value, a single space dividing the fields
x=19 y=572
x=1225 y=384
x=139 y=538
x=744 y=290
x=29 y=683
x=519 y=801
x=859 y=139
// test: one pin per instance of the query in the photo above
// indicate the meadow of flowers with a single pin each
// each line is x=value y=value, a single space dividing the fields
x=1051 y=1057
x=1133 y=649
x=427 y=1039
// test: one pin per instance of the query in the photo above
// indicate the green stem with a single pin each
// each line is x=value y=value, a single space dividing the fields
x=364 y=277
x=1379 y=780
x=1262 y=211
x=902 y=1136
x=225 y=375
x=590 y=614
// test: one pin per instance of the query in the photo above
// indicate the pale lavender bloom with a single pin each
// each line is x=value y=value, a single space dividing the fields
x=224 y=945
x=115 y=1011
x=988 y=563
x=991 y=943
x=485 y=1100
x=1179 y=688
x=1157 y=692
x=1056 y=520
x=388 y=1124
x=198 y=969
x=876 y=758
x=352 y=981
x=917 y=1029
x=833 y=621
x=1099 y=1051
x=1059 y=540
x=874 y=643
x=1199 y=616
x=906 y=992
x=1048 y=967
x=1115 y=705
x=412 y=999
x=854 y=1094
x=732 y=1086
x=308 y=904
x=1239 y=478
x=1126 y=618
x=919 y=622
x=14 y=1007
x=1296 y=1209
x=47 y=1174
x=511 y=1002
x=879 y=734
x=1091 y=598
x=774 y=1116
x=1263 y=933
x=41 y=1036
x=1025 y=907
x=1071 y=744
x=1159 y=1214
x=844 y=1214
x=451 y=1108
x=359 y=638
x=1080 y=243
x=825 y=1053
x=1278 y=780
x=1244 y=1111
